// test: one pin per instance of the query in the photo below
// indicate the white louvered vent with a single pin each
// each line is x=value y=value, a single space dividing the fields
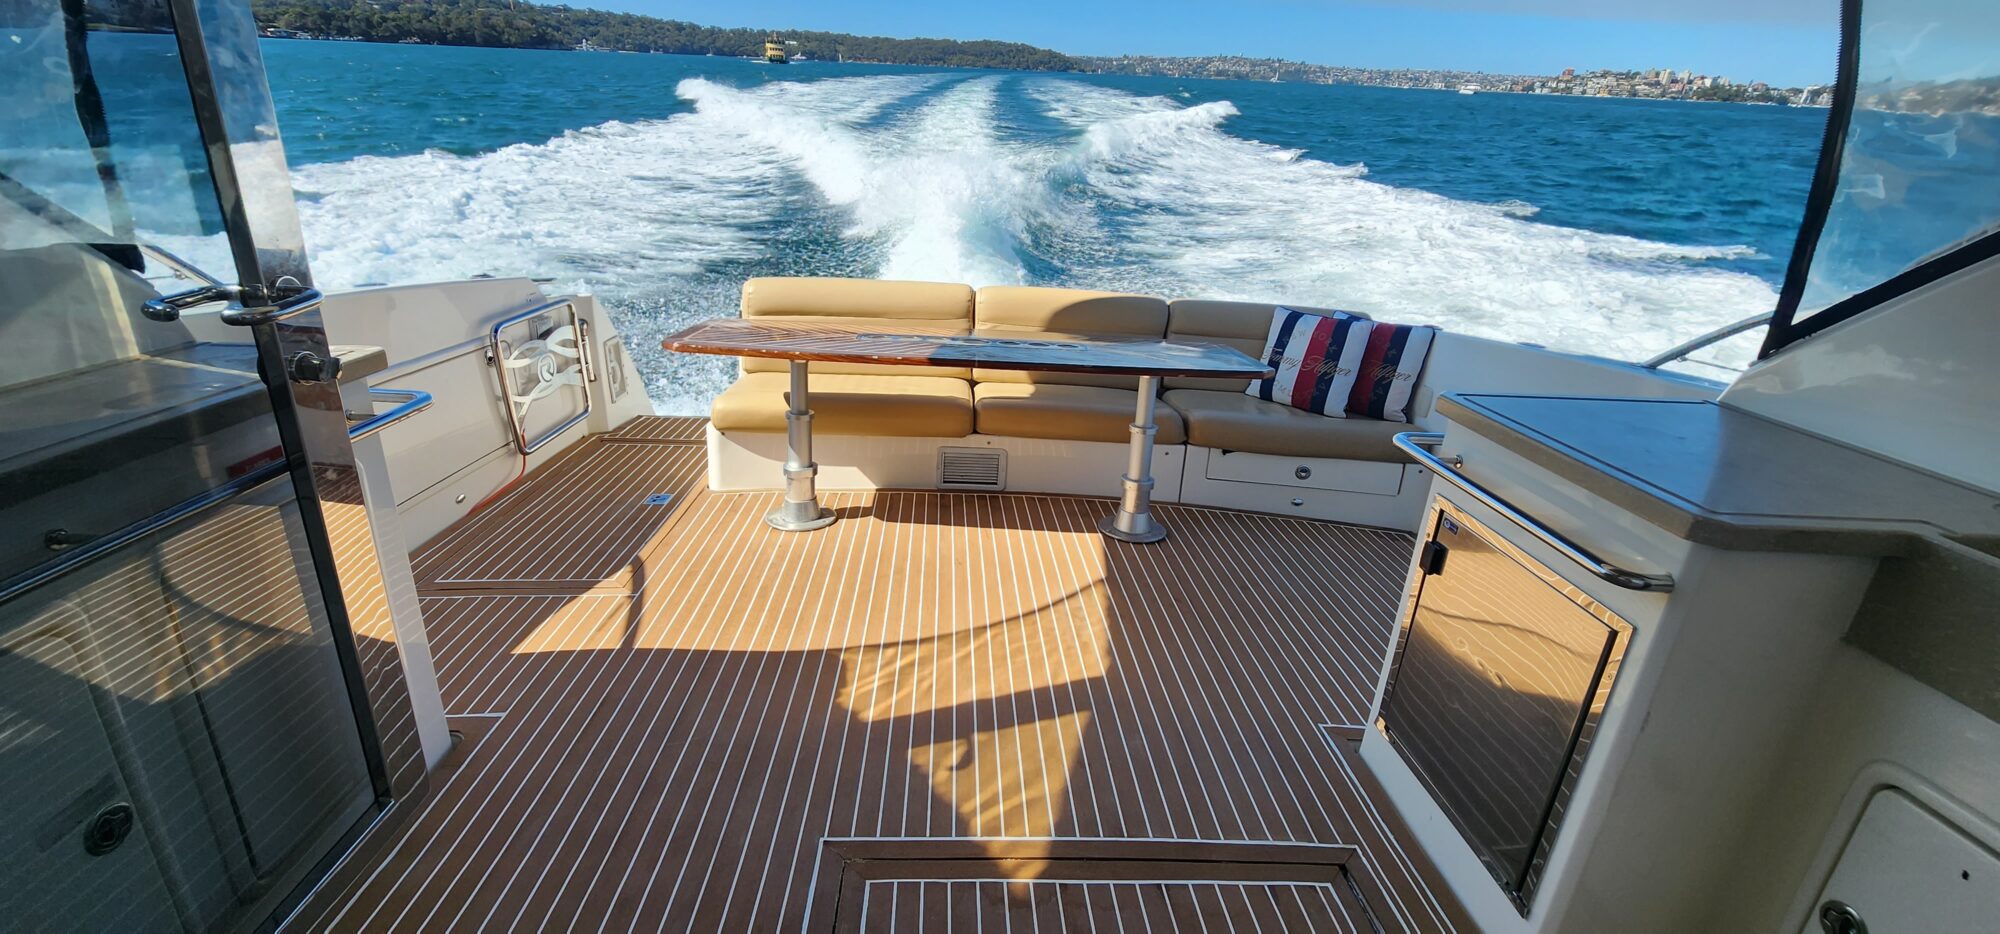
x=972 y=469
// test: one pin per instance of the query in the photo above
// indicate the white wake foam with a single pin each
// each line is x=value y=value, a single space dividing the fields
x=944 y=198
x=922 y=177
x=612 y=206
x=1187 y=209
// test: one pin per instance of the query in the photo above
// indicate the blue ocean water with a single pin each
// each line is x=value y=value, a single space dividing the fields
x=1607 y=226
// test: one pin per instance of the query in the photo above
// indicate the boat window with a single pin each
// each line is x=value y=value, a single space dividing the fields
x=1919 y=155
x=98 y=149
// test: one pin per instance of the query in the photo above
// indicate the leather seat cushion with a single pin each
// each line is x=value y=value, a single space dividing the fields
x=1232 y=421
x=848 y=404
x=1069 y=413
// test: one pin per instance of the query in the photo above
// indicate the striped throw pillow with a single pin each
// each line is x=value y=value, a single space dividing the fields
x=1386 y=377
x=1315 y=357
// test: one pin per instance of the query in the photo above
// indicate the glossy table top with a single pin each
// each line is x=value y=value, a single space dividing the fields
x=1717 y=476
x=907 y=344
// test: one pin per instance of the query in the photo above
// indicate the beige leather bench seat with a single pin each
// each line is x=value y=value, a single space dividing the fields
x=1233 y=421
x=851 y=404
x=1067 y=413
x=1065 y=406
x=854 y=398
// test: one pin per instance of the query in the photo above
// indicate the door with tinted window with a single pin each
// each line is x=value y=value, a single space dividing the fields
x=186 y=729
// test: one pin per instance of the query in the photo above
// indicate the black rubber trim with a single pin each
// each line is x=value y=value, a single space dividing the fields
x=1826 y=181
x=1903 y=283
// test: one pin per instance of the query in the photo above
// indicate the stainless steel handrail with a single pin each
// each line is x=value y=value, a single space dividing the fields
x=169 y=307
x=497 y=360
x=409 y=402
x=296 y=301
x=1417 y=444
x=1682 y=350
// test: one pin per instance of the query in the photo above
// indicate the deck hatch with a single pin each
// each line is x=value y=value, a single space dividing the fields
x=1030 y=884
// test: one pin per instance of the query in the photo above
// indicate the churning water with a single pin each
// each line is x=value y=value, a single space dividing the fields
x=660 y=182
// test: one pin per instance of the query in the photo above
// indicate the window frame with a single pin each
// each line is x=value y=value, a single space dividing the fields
x=1786 y=329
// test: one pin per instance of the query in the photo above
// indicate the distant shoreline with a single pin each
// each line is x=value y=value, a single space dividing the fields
x=1065 y=71
x=517 y=24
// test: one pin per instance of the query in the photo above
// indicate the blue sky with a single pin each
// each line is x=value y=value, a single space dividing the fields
x=1782 y=41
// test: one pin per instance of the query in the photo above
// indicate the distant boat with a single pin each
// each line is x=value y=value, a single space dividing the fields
x=1468 y=89
x=774 y=51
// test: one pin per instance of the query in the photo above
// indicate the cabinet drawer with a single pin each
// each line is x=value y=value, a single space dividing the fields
x=1316 y=473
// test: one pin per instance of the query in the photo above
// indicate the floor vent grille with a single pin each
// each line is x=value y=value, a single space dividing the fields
x=972 y=469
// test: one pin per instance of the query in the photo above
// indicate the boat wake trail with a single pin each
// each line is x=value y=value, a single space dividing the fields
x=933 y=191
x=1184 y=208
x=988 y=180
x=617 y=206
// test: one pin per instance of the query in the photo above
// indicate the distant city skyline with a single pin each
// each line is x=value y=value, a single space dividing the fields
x=1783 y=42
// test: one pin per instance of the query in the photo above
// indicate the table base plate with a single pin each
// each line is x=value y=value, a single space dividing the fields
x=786 y=519
x=1144 y=531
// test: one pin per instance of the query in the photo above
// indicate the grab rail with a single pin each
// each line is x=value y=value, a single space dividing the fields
x=1418 y=445
x=1686 y=349
x=263 y=305
x=498 y=361
x=409 y=402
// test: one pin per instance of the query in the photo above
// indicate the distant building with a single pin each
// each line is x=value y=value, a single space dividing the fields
x=1569 y=74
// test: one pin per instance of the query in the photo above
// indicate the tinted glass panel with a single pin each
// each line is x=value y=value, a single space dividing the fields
x=1920 y=173
x=176 y=738
x=1493 y=684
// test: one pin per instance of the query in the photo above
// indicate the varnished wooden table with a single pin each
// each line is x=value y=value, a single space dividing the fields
x=904 y=344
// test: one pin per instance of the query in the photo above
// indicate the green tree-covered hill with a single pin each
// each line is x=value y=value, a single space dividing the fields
x=524 y=25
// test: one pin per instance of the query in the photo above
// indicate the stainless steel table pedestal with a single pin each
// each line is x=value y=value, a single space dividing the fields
x=801 y=511
x=1134 y=522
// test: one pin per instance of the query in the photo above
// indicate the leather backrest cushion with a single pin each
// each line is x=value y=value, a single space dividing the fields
x=856 y=298
x=1019 y=309
x=860 y=302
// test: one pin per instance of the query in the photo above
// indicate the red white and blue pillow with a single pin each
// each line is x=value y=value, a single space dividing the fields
x=1340 y=364
x=1386 y=378
x=1315 y=359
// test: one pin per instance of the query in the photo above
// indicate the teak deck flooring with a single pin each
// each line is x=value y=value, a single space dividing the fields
x=946 y=711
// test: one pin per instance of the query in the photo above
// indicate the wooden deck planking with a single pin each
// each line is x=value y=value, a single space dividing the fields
x=903 y=906
x=936 y=665
x=665 y=428
x=578 y=523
